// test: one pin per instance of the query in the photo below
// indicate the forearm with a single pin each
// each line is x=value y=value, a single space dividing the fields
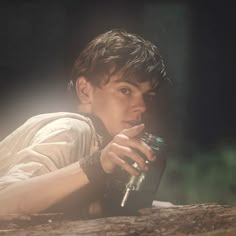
x=39 y=193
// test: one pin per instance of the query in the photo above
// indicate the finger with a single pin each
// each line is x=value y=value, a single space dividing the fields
x=126 y=152
x=137 y=144
x=144 y=148
x=134 y=131
x=124 y=165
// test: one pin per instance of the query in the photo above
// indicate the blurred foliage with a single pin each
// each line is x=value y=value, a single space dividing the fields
x=202 y=178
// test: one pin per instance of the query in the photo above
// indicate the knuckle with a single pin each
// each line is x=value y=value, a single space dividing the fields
x=150 y=152
x=129 y=151
x=124 y=131
x=123 y=163
x=136 y=142
x=134 y=171
x=123 y=138
x=113 y=146
x=113 y=156
x=136 y=157
x=116 y=138
x=142 y=162
x=120 y=136
x=110 y=155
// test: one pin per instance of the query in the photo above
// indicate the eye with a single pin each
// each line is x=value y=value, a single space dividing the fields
x=125 y=91
x=150 y=97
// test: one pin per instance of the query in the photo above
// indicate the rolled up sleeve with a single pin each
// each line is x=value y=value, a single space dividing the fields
x=55 y=146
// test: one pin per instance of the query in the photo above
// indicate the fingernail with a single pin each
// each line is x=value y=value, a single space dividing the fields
x=154 y=157
x=141 y=125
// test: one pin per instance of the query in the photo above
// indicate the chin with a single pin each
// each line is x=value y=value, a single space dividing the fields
x=112 y=132
x=127 y=125
x=117 y=130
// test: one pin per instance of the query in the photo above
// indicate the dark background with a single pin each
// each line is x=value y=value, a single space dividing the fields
x=40 y=40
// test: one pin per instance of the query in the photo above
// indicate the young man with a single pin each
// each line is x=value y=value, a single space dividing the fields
x=63 y=161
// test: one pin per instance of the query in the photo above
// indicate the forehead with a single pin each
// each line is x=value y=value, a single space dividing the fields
x=131 y=80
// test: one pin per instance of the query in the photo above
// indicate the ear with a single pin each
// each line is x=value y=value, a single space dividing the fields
x=84 y=90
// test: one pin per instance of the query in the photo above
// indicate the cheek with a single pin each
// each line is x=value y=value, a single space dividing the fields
x=99 y=104
x=112 y=105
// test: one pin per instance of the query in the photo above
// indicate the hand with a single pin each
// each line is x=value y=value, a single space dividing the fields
x=126 y=145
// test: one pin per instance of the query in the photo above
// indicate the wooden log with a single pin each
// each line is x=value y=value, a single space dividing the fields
x=197 y=220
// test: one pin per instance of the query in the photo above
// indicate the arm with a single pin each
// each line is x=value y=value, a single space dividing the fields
x=44 y=173
x=38 y=193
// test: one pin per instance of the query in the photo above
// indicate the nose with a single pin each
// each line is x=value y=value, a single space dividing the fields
x=139 y=104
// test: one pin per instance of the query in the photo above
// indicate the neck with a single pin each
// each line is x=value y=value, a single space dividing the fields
x=84 y=108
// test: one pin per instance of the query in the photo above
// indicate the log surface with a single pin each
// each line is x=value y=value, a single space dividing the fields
x=197 y=220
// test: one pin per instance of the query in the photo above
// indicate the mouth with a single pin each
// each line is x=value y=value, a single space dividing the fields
x=133 y=122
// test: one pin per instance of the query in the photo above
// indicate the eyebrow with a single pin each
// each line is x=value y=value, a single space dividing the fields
x=128 y=82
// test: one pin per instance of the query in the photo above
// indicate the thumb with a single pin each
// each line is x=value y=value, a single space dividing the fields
x=134 y=131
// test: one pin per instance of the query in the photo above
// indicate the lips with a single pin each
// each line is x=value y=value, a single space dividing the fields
x=133 y=122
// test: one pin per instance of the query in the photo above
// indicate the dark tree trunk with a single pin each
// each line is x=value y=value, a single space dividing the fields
x=199 y=220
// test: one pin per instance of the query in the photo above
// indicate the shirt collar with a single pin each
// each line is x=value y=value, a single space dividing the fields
x=100 y=129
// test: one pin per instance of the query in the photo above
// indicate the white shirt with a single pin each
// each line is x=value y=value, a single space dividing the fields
x=45 y=143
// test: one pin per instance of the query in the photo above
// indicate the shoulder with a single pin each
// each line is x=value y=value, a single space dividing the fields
x=62 y=119
x=68 y=125
x=50 y=117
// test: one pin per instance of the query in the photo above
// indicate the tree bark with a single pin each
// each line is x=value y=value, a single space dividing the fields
x=197 y=220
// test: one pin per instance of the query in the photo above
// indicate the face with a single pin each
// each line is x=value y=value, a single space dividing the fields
x=120 y=104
